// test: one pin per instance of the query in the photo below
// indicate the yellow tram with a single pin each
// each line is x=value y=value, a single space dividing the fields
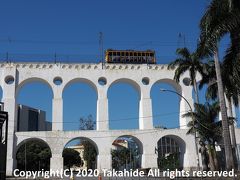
x=130 y=56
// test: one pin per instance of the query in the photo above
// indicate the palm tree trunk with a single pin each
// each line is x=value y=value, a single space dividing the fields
x=211 y=158
x=196 y=91
x=232 y=130
x=225 y=126
x=232 y=126
x=196 y=134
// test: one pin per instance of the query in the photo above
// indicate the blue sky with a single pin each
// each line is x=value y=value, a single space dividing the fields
x=36 y=30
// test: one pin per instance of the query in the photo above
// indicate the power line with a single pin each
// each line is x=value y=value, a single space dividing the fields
x=130 y=118
x=112 y=42
x=123 y=119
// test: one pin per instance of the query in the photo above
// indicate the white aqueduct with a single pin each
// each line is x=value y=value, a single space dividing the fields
x=142 y=77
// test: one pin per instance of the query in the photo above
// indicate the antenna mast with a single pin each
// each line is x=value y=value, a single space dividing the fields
x=101 y=48
x=181 y=40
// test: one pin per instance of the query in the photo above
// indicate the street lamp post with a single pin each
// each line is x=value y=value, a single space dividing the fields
x=195 y=134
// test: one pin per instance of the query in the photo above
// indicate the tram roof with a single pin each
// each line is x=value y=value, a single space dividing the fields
x=129 y=50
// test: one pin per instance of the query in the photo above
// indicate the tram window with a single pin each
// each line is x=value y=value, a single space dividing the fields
x=118 y=53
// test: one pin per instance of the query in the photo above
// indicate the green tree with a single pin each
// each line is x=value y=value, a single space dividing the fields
x=90 y=152
x=230 y=89
x=221 y=17
x=171 y=162
x=71 y=158
x=209 y=129
x=34 y=156
x=121 y=157
x=87 y=123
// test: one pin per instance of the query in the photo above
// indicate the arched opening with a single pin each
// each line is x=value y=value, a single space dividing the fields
x=165 y=104
x=80 y=153
x=34 y=106
x=126 y=153
x=170 y=150
x=79 y=105
x=123 y=103
x=33 y=155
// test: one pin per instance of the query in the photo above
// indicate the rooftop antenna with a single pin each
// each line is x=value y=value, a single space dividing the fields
x=101 y=48
x=55 y=58
x=181 y=40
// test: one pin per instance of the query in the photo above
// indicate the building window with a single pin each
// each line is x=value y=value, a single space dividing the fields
x=33 y=120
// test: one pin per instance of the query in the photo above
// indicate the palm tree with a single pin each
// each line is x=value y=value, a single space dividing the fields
x=221 y=17
x=230 y=89
x=187 y=61
x=232 y=93
x=208 y=129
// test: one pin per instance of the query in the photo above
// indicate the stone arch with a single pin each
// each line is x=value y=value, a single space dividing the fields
x=79 y=105
x=31 y=139
x=121 y=93
x=81 y=80
x=174 y=140
x=131 y=82
x=45 y=163
x=44 y=121
x=166 y=105
x=171 y=82
x=80 y=147
x=135 y=148
x=84 y=138
x=31 y=80
x=138 y=141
